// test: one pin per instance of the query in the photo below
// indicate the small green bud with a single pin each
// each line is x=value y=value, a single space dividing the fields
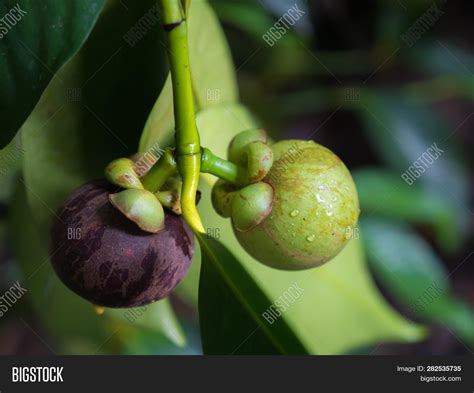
x=121 y=173
x=251 y=205
x=141 y=207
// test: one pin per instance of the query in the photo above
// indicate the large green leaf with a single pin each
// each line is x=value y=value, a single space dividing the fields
x=340 y=309
x=401 y=133
x=157 y=317
x=159 y=126
x=47 y=34
x=386 y=193
x=69 y=141
x=225 y=285
x=413 y=273
x=91 y=113
x=208 y=51
x=212 y=75
x=11 y=157
x=251 y=18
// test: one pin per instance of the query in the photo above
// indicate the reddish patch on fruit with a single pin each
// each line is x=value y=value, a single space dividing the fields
x=114 y=263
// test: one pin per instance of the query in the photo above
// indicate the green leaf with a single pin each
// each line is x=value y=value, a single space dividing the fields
x=231 y=307
x=386 y=193
x=147 y=343
x=188 y=289
x=186 y=4
x=47 y=34
x=157 y=317
x=212 y=69
x=11 y=157
x=70 y=141
x=414 y=274
x=248 y=17
x=212 y=76
x=91 y=112
x=159 y=127
x=336 y=296
x=255 y=18
x=401 y=133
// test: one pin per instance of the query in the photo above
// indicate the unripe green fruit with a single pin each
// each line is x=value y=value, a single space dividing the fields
x=315 y=208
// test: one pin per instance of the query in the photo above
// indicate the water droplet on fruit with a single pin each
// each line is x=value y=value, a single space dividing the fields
x=294 y=213
x=310 y=238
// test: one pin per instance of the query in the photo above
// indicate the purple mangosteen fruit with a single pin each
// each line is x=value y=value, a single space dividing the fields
x=110 y=261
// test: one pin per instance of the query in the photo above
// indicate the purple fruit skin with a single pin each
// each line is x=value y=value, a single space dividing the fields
x=114 y=263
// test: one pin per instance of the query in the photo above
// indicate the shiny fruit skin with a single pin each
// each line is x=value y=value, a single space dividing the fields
x=110 y=261
x=315 y=209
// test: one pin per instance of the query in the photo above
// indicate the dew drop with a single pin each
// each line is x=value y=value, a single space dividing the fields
x=310 y=238
x=294 y=213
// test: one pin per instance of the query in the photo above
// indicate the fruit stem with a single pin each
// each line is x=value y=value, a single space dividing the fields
x=188 y=149
x=160 y=172
x=223 y=169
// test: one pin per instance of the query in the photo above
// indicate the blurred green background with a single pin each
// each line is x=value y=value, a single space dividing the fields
x=379 y=82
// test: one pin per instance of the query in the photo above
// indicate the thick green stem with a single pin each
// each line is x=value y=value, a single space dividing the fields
x=223 y=169
x=160 y=172
x=188 y=149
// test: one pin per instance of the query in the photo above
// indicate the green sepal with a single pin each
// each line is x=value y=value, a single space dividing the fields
x=121 y=172
x=259 y=161
x=222 y=196
x=251 y=205
x=142 y=207
x=236 y=150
